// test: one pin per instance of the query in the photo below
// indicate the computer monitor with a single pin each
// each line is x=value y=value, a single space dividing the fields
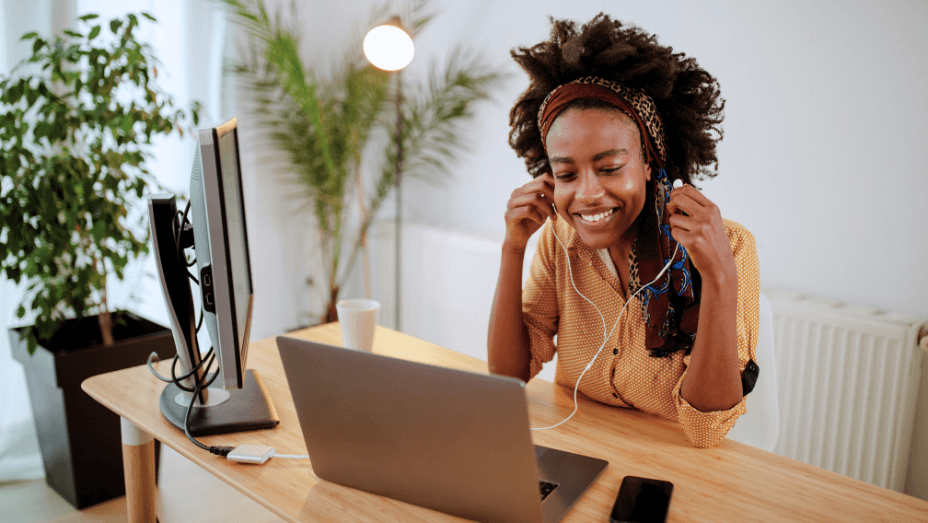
x=218 y=233
x=221 y=243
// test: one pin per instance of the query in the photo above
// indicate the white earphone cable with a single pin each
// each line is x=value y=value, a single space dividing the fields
x=605 y=335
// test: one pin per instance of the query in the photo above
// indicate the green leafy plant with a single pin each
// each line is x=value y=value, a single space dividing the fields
x=325 y=124
x=77 y=118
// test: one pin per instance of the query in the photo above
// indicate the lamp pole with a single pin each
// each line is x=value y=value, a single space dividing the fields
x=399 y=194
x=390 y=47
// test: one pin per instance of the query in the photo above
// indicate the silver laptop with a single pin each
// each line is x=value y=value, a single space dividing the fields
x=450 y=440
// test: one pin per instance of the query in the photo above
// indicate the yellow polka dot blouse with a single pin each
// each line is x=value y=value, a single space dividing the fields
x=624 y=375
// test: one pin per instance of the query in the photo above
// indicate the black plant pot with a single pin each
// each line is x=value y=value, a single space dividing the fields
x=80 y=438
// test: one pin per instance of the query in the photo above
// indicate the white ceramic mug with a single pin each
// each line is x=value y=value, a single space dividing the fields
x=358 y=320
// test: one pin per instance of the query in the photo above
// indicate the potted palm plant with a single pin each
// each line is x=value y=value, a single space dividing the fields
x=326 y=124
x=77 y=118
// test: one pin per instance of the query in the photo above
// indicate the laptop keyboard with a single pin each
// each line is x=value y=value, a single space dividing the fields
x=546 y=488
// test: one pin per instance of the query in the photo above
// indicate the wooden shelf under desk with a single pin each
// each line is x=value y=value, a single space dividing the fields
x=729 y=482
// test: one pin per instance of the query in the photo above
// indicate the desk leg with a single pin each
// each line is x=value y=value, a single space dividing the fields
x=138 y=459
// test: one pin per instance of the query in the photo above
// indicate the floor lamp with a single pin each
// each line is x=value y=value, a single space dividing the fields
x=389 y=47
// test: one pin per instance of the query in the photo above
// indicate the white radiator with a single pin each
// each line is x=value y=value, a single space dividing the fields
x=848 y=379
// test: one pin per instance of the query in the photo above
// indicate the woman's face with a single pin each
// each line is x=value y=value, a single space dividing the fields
x=600 y=176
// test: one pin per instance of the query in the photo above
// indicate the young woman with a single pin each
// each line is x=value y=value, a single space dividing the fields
x=610 y=120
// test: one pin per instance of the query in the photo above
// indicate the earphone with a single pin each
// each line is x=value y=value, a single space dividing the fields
x=676 y=185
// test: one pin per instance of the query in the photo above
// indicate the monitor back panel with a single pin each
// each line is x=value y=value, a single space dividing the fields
x=451 y=440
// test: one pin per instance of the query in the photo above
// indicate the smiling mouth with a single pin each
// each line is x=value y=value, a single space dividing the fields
x=593 y=218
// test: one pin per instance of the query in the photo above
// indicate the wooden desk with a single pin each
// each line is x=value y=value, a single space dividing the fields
x=730 y=482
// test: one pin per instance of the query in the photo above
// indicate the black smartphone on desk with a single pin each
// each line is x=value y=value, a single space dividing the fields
x=641 y=500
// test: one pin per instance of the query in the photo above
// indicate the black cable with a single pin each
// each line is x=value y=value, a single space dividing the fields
x=211 y=380
x=196 y=343
x=219 y=450
x=193 y=400
x=177 y=380
x=194 y=369
x=154 y=358
x=178 y=231
x=187 y=423
x=179 y=227
x=177 y=213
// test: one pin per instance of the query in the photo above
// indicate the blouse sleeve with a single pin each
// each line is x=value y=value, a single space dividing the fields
x=706 y=429
x=539 y=302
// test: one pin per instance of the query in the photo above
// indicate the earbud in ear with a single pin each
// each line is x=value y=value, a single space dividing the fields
x=677 y=183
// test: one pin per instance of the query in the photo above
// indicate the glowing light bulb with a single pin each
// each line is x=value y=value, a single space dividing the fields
x=388 y=47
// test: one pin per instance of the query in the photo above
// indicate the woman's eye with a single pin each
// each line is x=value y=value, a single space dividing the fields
x=564 y=176
x=610 y=170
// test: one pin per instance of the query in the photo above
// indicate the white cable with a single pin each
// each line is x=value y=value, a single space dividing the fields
x=605 y=336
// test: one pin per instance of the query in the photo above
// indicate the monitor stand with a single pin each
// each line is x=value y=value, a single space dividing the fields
x=226 y=411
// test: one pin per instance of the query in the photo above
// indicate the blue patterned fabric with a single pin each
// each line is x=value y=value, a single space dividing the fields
x=671 y=317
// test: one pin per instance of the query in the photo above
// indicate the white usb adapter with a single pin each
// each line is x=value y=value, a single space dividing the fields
x=251 y=453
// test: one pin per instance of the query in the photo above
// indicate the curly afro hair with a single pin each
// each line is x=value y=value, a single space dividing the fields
x=687 y=97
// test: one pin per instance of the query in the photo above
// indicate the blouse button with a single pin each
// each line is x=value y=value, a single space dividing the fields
x=615 y=351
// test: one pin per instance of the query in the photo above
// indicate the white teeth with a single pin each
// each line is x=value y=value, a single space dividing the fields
x=596 y=217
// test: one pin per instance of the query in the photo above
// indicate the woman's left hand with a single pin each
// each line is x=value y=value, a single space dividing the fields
x=702 y=233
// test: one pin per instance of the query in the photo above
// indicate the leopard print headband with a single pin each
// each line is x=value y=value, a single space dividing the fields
x=646 y=114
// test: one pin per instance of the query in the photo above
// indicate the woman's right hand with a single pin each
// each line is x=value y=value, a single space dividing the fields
x=527 y=209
